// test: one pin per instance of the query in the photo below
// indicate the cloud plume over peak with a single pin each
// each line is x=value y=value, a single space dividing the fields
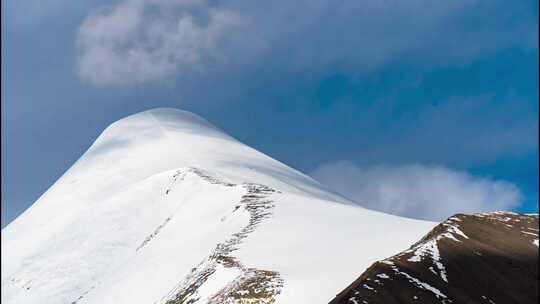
x=418 y=191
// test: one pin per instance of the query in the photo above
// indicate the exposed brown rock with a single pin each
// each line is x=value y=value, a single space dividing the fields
x=252 y=285
x=480 y=258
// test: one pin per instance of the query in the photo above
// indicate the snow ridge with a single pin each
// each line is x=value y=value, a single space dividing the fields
x=251 y=283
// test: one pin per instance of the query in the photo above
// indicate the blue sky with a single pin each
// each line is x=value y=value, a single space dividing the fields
x=448 y=88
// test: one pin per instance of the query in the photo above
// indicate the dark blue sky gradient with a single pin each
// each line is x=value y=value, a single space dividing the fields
x=480 y=116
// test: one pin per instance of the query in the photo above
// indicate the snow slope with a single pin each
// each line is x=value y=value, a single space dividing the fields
x=166 y=208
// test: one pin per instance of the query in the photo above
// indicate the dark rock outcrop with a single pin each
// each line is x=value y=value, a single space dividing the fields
x=481 y=258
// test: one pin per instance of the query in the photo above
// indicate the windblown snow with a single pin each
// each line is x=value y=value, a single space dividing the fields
x=166 y=208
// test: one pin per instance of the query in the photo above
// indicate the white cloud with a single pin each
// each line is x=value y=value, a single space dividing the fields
x=138 y=41
x=418 y=191
x=143 y=40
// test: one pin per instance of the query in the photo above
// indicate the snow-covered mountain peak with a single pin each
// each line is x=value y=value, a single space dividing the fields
x=166 y=208
x=163 y=139
x=162 y=120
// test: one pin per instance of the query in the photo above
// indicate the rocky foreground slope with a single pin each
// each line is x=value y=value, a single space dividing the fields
x=481 y=258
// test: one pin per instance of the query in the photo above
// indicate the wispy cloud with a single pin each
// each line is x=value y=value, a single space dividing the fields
x=418 y=191
x=138 y=41
x=143 y=40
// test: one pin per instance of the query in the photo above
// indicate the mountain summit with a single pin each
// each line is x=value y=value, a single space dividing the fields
x=166 y=208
